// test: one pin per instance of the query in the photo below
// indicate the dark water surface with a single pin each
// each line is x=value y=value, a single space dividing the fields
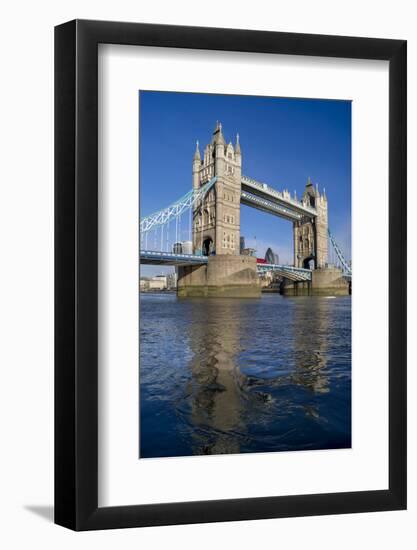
x=242 y=376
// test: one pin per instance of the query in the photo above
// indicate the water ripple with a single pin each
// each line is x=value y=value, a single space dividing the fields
x=230 y=376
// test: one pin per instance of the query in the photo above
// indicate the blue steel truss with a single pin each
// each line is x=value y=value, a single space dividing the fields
x=268 y=206
x=164 y=216
x=347 y=270
x=264 y=190
x=169 y=258
x=288 y=271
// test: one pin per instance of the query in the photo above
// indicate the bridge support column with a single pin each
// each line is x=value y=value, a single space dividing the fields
x=225 y=276
x=324 y=282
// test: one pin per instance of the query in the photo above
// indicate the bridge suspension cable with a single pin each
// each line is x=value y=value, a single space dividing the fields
x=347 y=270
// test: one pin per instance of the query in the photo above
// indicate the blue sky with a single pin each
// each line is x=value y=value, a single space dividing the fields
x=284 y=141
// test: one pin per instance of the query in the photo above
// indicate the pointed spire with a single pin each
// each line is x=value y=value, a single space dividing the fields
x=197 y=152
x=217 y=134
x=237 y=148
x=309 y=181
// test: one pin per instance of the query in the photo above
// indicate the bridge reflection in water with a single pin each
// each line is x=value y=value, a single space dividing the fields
x=230 y=376
x=214 y=393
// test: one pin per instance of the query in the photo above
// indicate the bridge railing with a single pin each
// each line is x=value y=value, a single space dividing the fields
x=170 y=258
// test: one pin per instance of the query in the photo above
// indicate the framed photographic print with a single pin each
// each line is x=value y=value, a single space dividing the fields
x=230 y=275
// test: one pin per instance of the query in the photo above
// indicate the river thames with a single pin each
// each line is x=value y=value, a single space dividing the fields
x=244 y=375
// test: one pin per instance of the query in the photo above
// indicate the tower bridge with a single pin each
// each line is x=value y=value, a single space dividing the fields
x=213 y=266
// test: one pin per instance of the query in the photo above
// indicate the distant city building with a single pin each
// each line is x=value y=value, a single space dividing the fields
x=172 y=281
x=248 y=251
x=271 y=257
x=158 y=283
x=177 y=248
x=187 y=247
x=144 y=285
x=183 y=247
x=242 y=244
x=161 y=278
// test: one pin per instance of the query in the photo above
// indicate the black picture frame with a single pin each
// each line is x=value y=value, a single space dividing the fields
x=76 y=272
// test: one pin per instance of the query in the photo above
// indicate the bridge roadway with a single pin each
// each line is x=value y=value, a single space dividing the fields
x=151 y=257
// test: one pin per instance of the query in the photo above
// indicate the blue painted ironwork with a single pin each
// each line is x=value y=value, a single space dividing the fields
x=266 y=205
x=164 y=216
x=288 y=271
x=346 y=268
x=284 y=199
x=169 y=258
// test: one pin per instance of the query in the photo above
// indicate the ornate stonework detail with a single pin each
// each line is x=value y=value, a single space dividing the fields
x=310 y=234
x=216 y=222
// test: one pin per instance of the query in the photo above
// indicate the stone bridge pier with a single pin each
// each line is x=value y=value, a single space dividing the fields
x=224 y=276
x=324 y=282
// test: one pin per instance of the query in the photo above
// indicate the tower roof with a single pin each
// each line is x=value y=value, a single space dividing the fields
x=309 y=189
x=237 y=147
x=218 y=135
x=197 y=152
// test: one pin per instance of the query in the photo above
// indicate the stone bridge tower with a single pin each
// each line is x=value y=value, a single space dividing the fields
x=310 y=233
x=216 y=222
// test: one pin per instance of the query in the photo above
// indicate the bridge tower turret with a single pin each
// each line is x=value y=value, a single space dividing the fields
x=238 y=159
x=322 y=241
x=310 y=233
x=196 y=167
x=216 y=222
x=219 y=150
